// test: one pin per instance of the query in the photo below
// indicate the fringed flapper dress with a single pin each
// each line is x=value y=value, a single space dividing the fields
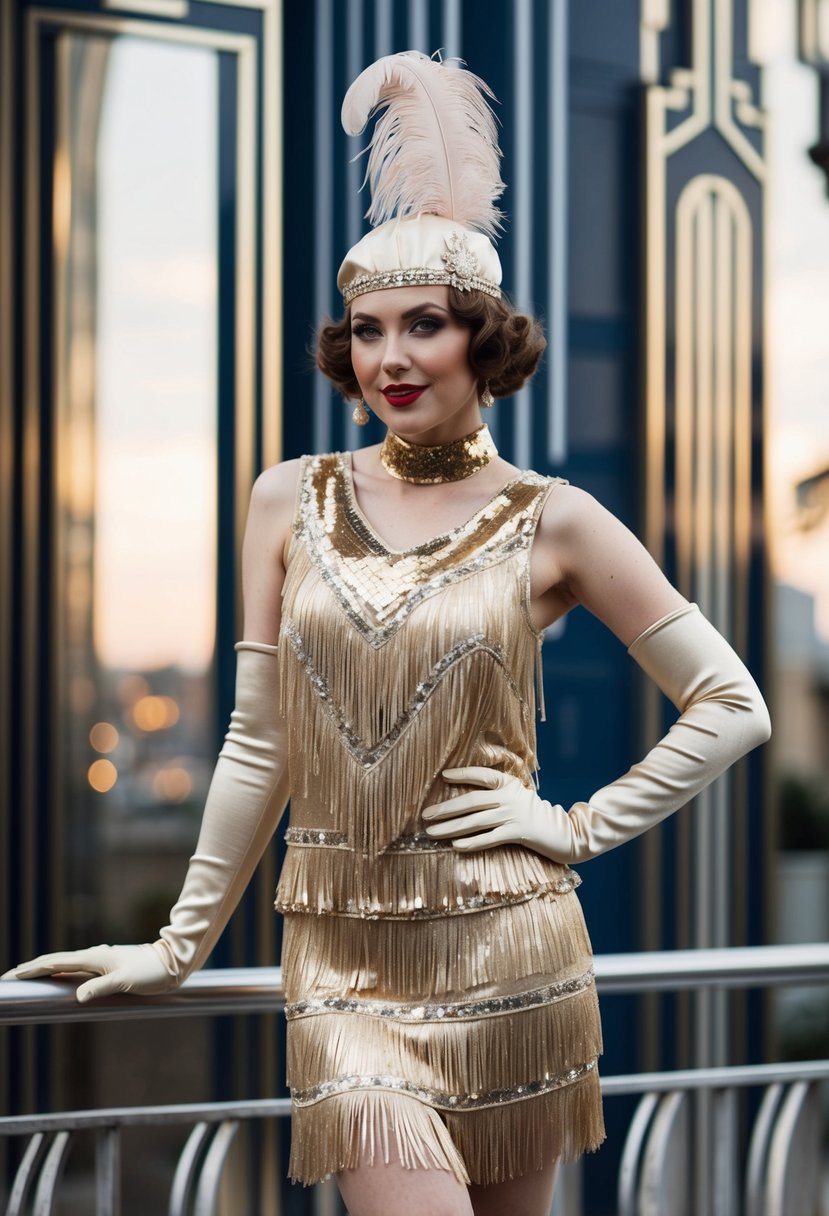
x=440 y=1005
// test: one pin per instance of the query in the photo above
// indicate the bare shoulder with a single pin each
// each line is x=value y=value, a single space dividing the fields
x=276 y=486
x=570 y=512
x=271 y=512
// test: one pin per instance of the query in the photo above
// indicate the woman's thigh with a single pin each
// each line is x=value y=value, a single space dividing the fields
x=529 y=1195
x=380 y=1189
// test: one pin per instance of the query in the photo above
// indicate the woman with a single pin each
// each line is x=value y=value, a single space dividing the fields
x=443 y=1030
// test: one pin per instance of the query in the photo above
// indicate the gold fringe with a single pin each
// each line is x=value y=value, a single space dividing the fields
x=319 y=879
x=479 y=1055
x=416 y=959
x=480 y=1146
x=506 y=1141
x=357 y=1128
x=371 y=728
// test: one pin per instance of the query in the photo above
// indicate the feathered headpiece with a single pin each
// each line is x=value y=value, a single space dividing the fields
x=433 y=171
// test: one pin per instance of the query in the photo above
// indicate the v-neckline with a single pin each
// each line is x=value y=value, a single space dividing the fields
x=433 y=542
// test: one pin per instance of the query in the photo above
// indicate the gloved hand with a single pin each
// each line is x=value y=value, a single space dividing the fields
x=723 y=716
x=123 y=968
x=246 y=799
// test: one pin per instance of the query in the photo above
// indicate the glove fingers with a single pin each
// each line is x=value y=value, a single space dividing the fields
x=50 y=964
x=102 y=985
x=475 y=775
x=464 y=824
x=483 y=840
x=476 y=800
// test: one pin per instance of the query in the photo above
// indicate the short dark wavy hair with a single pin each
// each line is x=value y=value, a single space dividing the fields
x=504 y=350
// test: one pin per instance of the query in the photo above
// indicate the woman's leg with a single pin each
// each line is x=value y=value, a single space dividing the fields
x=380 y=1190
x=529 y=1195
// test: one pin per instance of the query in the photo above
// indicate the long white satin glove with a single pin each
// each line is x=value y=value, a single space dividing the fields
x=723 y=716
x=247 y=796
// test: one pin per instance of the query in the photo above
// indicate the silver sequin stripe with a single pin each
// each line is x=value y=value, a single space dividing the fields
x=463 y=903
x=369 y=756
x=317 y=836
x=420 y=275
x=454 y=1011
x=435 y=1097
x=417 y=842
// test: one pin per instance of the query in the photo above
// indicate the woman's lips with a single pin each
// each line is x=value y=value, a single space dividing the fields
x=402 y=396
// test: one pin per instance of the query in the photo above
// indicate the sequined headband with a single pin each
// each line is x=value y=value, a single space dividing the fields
x=420 y=250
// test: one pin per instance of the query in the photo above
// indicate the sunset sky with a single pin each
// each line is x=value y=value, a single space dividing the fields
x=156 y=475
x=798 y=303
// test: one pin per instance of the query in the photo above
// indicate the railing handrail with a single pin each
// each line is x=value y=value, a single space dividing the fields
x=731 y=1076
x=259 y=989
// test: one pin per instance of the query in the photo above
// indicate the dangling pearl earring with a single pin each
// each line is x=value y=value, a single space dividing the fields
x=360 y=415
x=486 y=397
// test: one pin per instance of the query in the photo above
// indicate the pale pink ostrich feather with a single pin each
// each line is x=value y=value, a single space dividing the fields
x=435 y=149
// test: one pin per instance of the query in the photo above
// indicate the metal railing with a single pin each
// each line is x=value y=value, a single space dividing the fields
x=784 y=1155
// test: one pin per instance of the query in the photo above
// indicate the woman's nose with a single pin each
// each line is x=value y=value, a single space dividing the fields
x=395 y=355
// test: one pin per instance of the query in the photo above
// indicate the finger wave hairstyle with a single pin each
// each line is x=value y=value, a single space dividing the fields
x=504 y=350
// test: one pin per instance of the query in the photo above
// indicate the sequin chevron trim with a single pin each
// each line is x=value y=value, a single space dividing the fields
x=447 y=1010
x=417 y=276
x=379 y=588
x=370 y=754
x=437 y=1098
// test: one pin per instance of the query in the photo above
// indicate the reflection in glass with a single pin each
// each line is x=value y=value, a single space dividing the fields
x=798 y=479
x=135 y=236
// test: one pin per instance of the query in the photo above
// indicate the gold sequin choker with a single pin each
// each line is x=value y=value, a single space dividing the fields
x=428 y=465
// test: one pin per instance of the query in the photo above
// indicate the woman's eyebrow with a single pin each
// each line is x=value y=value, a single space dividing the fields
x=404 y=316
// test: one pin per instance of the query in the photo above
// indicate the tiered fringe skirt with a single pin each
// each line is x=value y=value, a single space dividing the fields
x=465 y=1042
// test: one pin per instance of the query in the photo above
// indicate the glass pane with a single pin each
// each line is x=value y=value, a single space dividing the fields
x=135 y=230
x=798 y=444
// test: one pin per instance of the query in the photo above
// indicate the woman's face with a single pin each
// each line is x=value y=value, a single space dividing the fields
x=408 y=336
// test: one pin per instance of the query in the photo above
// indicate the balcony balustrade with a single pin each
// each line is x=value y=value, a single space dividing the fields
x=782 y=1174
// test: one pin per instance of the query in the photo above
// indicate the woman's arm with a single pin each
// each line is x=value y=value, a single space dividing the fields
x=248 y=791
x=584 y=555
x=588 y=557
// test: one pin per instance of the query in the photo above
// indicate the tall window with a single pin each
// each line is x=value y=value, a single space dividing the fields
x=135 y=235
x=798 y=469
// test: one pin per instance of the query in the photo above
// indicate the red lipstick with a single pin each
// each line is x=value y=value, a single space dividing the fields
x=402 y=394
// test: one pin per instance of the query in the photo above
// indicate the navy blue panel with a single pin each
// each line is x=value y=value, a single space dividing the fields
x=606 y=32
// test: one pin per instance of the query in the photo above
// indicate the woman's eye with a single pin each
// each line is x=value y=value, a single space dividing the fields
x=431 y=324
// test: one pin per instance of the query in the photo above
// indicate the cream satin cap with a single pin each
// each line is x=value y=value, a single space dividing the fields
x=420 y=249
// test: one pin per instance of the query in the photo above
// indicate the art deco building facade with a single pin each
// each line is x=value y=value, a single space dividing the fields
x=175 y=196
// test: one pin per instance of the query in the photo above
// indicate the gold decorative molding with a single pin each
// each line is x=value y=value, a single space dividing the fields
x=654 y=17
x=707 y=88
x=8 y=359
x=713 y=293
x=708 y=97
x=699 y=243
x=174 y=9
x=813 y=32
